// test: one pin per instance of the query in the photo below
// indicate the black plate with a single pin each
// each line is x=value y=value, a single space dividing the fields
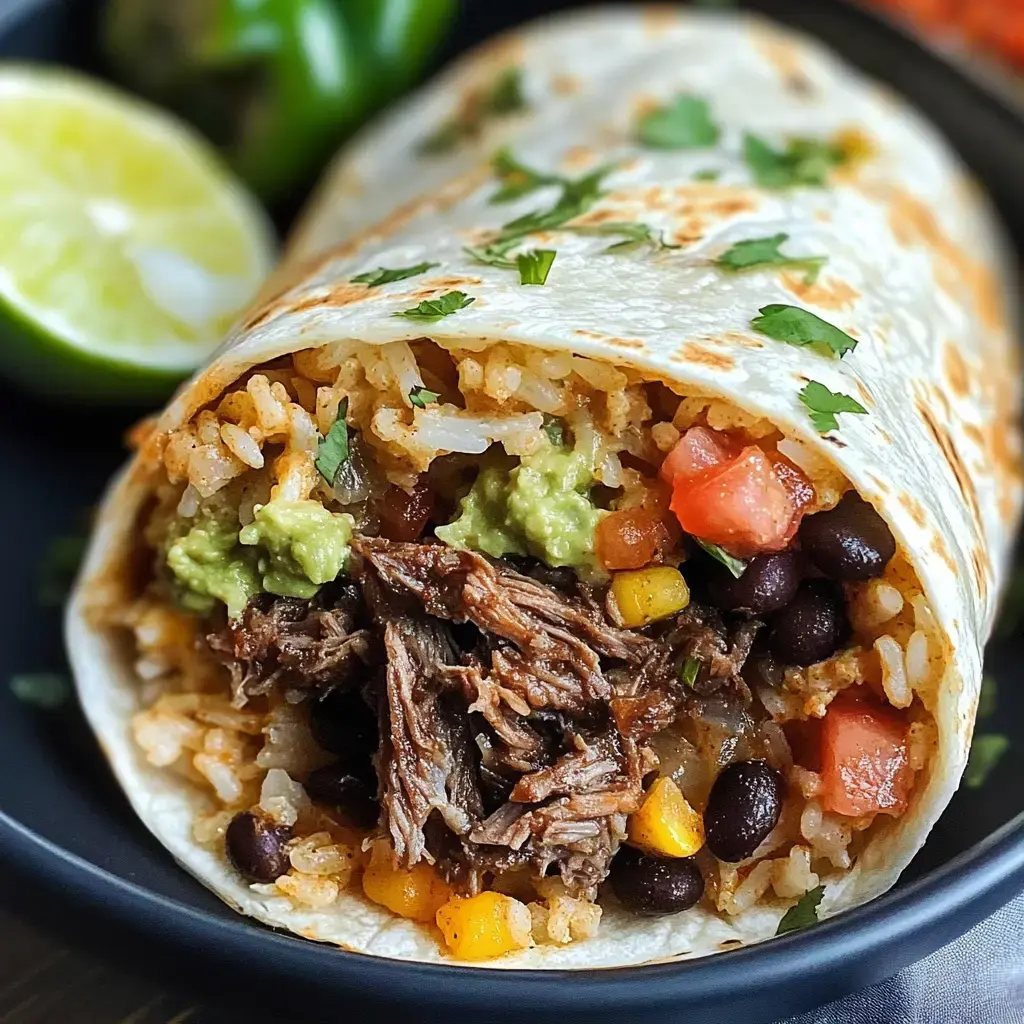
x=74 y=854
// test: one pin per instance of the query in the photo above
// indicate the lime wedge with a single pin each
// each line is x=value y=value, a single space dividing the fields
x=126 y=248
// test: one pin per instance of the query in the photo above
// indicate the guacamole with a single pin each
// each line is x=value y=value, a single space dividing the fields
x=303 y=545
x=208 y=564
x=540 y=507
x=291 y=549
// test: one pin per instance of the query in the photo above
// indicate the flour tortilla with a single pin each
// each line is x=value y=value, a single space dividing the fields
x=915 y=273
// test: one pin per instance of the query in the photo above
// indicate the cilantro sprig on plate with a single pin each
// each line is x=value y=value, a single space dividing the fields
x=430 y=310
x=386 y=275
x=825 y=405
x=796 y=326
x=682 y=123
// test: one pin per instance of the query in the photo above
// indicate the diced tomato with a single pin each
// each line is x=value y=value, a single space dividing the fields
x=742 y=506
x=804 y=738
x=630 y=539
x=864 y=768
x=697 y=451
x=403 y=515
x=798 y=487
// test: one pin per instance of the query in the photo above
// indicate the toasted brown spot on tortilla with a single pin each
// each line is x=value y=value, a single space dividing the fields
x=743 y=340
x=658 y=19
x=694 y=353
x=975 y=433
x=825 y=216
x=831 y=294
x=915 y=509
x=956 y=369
x=834 y=441
x=980 y=566
x=881 y=484
x=784 y=55
x=630 y=343
x=857 y=147
x=438 y=284
x=565 y=85
x=940 y=548
x=578 y=157
x=342 y=294
x=864 y=393
x=946 y=445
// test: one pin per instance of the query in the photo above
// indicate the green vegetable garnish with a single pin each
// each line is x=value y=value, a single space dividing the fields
x=492 y=255
x=708 y=175
x=516 y=178
x=803 y=913
x=796 y=326
x=635 y=235
x=45 y=690
x=802 y=162
x=577 y=197
x=824 y=405
x=534 y=266
x=332 y=451
x=683 y=123
x=764 y=252
x=690 y=671
x=735 y=565
x=504 y=96
x=421 y=397
x=385 y=275
x=430 y=310
x=986 y=751
x=555 y=429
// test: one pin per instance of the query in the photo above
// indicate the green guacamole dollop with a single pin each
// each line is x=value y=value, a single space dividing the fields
x=291 y=549
x=302 y=545
x=208 y=564
x=540 y=507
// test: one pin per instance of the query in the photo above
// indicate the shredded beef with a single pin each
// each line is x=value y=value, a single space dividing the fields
x=513 y=714
x=295 y=644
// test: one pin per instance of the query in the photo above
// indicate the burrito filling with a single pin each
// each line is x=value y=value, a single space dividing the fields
x=500 y=636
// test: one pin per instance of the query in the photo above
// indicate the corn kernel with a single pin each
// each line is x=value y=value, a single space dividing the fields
x=415 y=893
x=666 y=824
x=643 y=595
x=484 y=926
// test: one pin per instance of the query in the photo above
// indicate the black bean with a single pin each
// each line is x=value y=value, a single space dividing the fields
x=342 y=723
x=743 y=807
x=768 y=583
x=256 y=846
x=812 y=627
x=655 y=885
x=848 y=542
x=349 y=788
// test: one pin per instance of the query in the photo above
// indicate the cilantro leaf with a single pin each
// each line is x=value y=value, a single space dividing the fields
x=45 y=690
x=735 y=565
x=332 y=451
x=535 y=265
x=824 y=405
x=764 y=252
x=493 y=255
x=430 y=310
x=578 y=195
x=690 y=670
x=986 y=751
x=802 y=162
x=503 y=96
x=58 y=568
x=683 y=123
x=635 y=235
x=555 y=429
x=708 y=175
x=421 y=397
x=803 y=913
x=797 y=326
x=516 y=178
x=385 y=275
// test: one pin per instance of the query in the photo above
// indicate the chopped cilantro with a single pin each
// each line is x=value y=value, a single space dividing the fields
x=493 y=255
x=578 y=195
x=986 y=751
x=503 y=96
x=430 y=310
x=683 y=123
x=824 y=405
x=708 y=175
x=332 y=451
x=764 y=252
x=45 y=690
x=802 y=162
x=735 y=565
x=796 y=326
x=57 y=569
x=385 y=275
x=555 y=429
x=690 y=670
x=634 y=235
x=516 y=178
x=421 y=397
x=534 y=266
x=803 y=913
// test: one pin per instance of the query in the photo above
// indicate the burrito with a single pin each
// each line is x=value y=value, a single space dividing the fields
x=583 y=554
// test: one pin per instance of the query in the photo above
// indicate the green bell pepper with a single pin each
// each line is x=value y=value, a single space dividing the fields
x=276 y=84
